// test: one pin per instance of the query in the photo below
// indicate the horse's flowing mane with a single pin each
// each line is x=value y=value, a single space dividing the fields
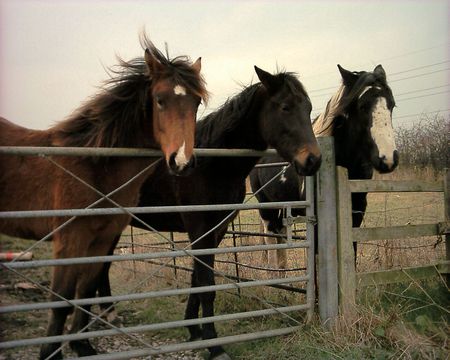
x=323 y=124
x=120 y=113
x=338 y=104
x=211 y=130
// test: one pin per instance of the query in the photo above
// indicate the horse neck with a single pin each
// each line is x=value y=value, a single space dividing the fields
x=348 y=149
x=244 y=133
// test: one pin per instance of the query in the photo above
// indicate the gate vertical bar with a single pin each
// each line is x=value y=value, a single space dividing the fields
x=346 y=252
x=327 y=234
x=310 y=235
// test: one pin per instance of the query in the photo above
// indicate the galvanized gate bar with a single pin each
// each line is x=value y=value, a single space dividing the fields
x=124 y=152
x=148 y=209
x=201 y=344
x=149 y=294
x=152 y=327
x=153 y=255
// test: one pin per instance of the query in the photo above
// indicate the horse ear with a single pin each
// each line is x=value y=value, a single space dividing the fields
x=267 y=79
x=380 y=71
x=153 y=64
x=348 y=77
x=197 y=66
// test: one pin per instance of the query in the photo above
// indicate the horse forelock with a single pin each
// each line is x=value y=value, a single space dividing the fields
x=179 y=69
x=338 y=104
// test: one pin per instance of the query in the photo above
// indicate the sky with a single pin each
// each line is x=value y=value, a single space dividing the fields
x=54 y=53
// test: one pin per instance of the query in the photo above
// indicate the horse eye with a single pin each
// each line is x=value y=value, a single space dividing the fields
x=159 y=102
x=285 y=108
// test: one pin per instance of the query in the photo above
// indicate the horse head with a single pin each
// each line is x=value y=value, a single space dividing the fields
x=286 y=121
x=176 y=91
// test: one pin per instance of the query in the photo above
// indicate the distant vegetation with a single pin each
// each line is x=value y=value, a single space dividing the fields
x=426 y=143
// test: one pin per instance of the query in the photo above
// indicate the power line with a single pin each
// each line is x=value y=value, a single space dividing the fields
x=418 y=68
x=400 y=72
x=400 y=100
x=415 y=91
x=419 y=75
x=422 y=96
x=386 y=59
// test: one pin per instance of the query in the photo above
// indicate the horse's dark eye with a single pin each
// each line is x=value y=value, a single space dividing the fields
x=159 y=102
x=285 y=108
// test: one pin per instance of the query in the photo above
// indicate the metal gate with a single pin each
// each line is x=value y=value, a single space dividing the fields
x=227 y=283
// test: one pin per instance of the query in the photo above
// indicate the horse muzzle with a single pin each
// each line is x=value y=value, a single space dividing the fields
x=385 y=166
x=309 y=165
x=181 y=168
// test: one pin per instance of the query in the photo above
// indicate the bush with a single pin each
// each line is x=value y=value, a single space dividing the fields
x=426 y=143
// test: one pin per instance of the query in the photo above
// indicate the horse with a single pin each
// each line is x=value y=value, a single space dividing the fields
x=274 y=112
x=359 y=117
x=148 y=102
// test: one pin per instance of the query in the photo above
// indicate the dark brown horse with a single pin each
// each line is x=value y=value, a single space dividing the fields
x=149 y=102
x=276 y=113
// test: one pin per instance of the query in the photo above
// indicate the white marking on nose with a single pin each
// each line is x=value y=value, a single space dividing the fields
x=382 y=131
x=179 y=90
x=180 y=158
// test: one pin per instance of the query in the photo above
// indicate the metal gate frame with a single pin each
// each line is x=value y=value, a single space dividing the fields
x=149 y=350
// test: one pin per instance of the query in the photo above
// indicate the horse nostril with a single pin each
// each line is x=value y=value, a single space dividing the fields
x=172 y=163
x=313 y=161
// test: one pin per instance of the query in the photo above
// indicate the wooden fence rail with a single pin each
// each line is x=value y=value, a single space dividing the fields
x=348 y=279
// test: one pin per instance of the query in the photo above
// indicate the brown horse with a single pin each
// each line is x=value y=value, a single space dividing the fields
x=149 y=102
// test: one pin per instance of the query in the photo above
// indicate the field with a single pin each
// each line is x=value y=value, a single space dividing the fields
x=408 y=320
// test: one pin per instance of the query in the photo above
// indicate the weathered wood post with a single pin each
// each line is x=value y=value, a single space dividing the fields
x=346 y=253
x=327 y=233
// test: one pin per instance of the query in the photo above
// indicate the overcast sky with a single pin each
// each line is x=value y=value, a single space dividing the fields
x=53 y=52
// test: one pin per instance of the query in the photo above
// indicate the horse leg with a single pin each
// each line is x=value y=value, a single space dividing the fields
x=87 y=285
x=263 y=241
x=359 y=205
x=104 y=288
x=63 y=283
x=192 y=309
x=270 y=255
x=205 y=277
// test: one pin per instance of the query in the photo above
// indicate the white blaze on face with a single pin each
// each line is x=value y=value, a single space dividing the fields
x=382 y=131
x=179 y=90
x=180 y=158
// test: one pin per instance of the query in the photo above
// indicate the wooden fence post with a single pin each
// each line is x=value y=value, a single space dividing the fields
x=346 y=253
x=327 y=234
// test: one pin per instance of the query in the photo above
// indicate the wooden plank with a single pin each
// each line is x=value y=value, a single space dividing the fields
x=346 y=253
x=395 y=232
x=395 y=186
x=327 y=234
x=401 y=275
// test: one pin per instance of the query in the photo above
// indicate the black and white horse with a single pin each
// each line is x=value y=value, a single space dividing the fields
x=359 y=117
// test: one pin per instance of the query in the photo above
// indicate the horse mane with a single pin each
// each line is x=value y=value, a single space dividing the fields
x=340 y=101
x=212 y=129
x=117 y=115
